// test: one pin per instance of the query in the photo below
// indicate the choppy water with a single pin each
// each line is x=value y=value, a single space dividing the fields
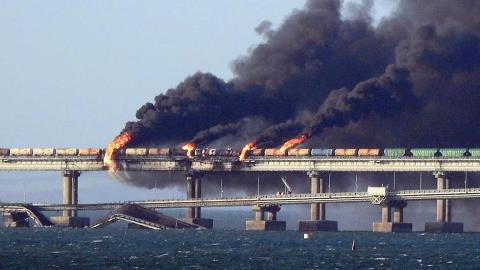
x=119 y=248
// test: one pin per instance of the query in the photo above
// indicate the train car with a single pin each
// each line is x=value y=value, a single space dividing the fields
x=345 y=152
x=324 y=152
x=369 y=152
x=395 y=152
x=136 y=152
x=43 y=152
x=212 y=152
x=298 y=152
x=224 y=152
x=90 y=151
x=453 y=152
x=4 y=151
x=197 y=152
x=21 y=152
x=474 y=152
x=256 y=152
x=424 y=152
x=178 y=152
x=159 y=151
x=67 y=152
x=274 y=152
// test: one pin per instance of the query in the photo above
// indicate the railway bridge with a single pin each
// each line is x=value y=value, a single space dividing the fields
x=316 y=169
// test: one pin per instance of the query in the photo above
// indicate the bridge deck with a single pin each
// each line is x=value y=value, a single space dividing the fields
x=253 y=164
x=307 y=198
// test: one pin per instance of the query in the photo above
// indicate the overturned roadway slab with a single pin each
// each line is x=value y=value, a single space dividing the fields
x=144 y=218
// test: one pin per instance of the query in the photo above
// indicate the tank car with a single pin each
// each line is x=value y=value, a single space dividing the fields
x=21 y=151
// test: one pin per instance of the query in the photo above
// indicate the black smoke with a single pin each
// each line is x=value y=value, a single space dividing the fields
x=413 y=80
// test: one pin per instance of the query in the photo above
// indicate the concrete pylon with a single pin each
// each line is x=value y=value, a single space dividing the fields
x=317 y=220
x=198 y=195
x=190 y=193
x=70 y=197
x=67 y=191
x=262 y=224
x=194 y=191
x=386 y=224
x=74 y=191
x=444 y=222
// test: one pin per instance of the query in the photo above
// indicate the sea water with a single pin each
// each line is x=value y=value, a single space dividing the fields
x=121 y=248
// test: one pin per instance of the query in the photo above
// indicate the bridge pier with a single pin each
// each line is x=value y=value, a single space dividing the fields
x=444 y=222
x=70 y=197
x=15 y=219
x=262 y=224
x=194 y=191
x=317 y=220
x=386 y=225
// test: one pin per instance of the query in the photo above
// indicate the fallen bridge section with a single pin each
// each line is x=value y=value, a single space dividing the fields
x=143 y=217
x=11 y=212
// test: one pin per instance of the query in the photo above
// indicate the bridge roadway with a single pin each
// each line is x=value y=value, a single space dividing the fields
x=342 y=197
x=252 y=164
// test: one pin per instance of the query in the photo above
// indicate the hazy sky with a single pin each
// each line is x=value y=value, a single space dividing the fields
x=73 y=72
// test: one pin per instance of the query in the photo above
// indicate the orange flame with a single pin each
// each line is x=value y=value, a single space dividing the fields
x=293 y=142
x=249 y=146
x=189 y=147
x=118 y=142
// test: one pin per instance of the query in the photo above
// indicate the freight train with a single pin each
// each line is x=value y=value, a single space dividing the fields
x=269 y=152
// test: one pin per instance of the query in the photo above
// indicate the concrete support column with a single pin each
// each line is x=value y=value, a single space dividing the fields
x=398 y=211
x=448 y=204
x=315 y=211
x=259 y=213
x=397 y=225
x=198 y=195
x=440 y=203
x=69 y=218
x=67 y=191
x=74 y=191
x=317 y=220
x=444 y=222
x=260 y=224
x=386 y=213
x=190 y=193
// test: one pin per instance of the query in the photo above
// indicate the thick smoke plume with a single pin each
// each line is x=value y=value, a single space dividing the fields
x=412 y=80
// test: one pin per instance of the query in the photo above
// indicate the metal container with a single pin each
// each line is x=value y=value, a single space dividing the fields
x=299 y=152
x=67 y=151
x=274 y=152
x=321 y=152
x=159 y=151
x=474 y=152
x=4 y=151
x=369 y=152
x=453 y=152
x=45 y=152
x=89 y=151
x=394 y=152
x=178 y=152
x=224 y=152
x=423 y=152
x=21 y=151
x=257 y=152
x=136 y=152
x=346 y=152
